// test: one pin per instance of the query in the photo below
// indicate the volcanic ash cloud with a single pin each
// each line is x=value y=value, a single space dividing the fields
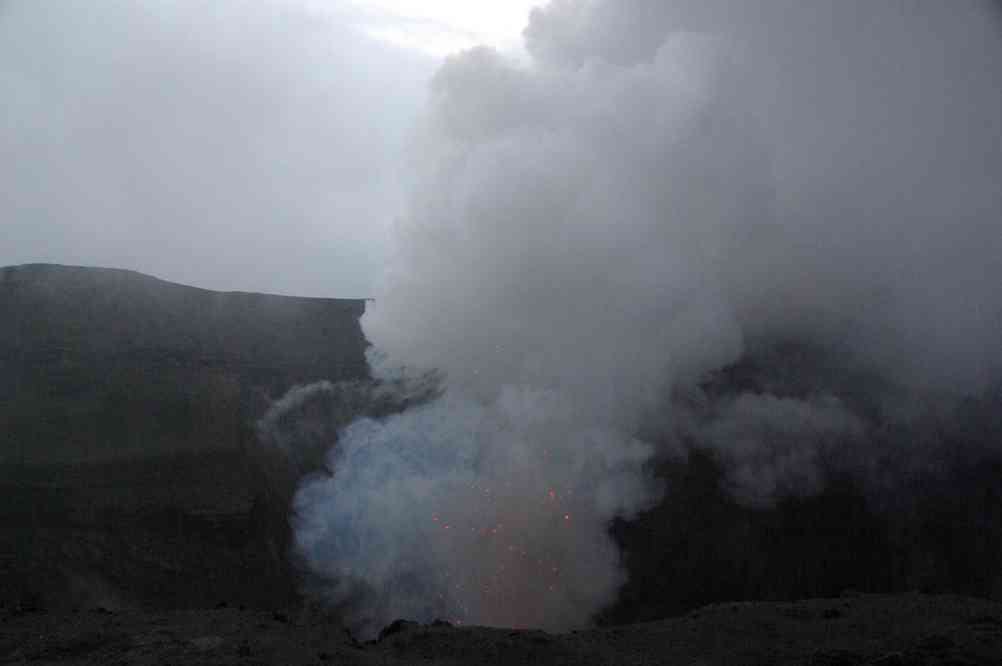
x=487 y=514
x=613 y=222
x=537 y=275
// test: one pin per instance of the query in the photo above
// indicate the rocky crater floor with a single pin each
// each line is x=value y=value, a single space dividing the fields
x=885 y=630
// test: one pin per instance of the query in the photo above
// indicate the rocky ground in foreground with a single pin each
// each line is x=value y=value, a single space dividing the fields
x=897 y=630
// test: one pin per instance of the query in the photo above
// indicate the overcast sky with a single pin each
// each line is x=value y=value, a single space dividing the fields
x=233 y=145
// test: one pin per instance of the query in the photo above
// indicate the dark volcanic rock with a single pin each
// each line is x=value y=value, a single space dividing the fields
x=105 y=364
x=885 y=630
x=129 y=466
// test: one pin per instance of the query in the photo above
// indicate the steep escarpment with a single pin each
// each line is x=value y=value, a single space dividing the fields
x=105 y=364
x=128 y=460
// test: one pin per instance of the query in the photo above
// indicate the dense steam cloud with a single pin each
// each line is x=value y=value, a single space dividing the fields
x=666 y=189
x=487 y=513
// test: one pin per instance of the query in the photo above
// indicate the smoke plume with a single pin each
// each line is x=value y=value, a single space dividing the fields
x=667 y=190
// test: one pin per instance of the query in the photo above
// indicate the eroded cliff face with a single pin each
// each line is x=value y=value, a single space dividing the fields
x=128 y=458
x=99 y=364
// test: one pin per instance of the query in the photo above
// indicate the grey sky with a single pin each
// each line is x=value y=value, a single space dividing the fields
x=230 y=145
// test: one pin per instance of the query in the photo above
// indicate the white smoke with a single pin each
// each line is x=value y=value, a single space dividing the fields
x=665 y=183
x=485 y=513
x=773 y=447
